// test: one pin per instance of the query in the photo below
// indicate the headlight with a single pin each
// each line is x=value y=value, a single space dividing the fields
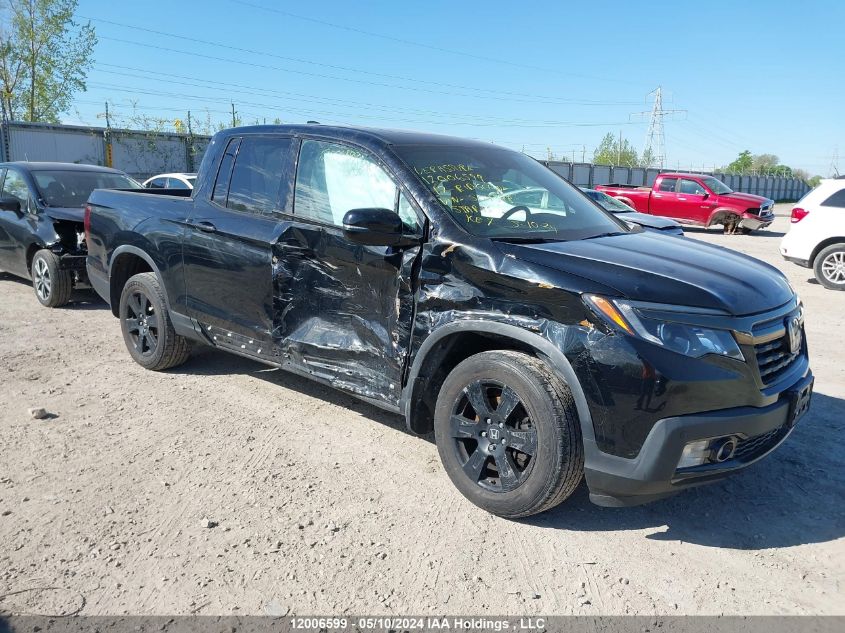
x=690 y=340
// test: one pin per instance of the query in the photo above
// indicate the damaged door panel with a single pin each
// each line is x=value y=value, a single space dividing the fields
x=344 y=310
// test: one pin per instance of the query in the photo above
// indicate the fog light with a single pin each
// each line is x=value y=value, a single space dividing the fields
x=695 y=454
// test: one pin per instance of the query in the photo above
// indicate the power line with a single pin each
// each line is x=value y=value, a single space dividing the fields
x=210 y=84
x=309 y=112
x=346 y=68
x=440 y=49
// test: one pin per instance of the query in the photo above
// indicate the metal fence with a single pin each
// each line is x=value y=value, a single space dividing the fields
x=138 y=153
x=143 y=154
x=589 y=175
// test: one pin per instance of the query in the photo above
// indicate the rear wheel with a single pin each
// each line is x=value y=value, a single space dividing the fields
x=53 y=286
x=829 y=267
x=508 y=433
x=147 y=330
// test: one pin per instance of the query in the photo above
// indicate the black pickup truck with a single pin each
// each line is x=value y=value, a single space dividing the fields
x=41 y=231
x=540 y=342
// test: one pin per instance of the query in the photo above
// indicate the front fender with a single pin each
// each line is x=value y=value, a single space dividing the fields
x=545 y=337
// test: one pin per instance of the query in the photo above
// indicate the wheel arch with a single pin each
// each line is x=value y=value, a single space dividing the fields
x=450 y=344
x=823 y=245
x=127 y=261
x=718 y=215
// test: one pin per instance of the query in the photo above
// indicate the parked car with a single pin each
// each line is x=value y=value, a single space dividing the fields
x=697 y=199
x=623 y=211
x=539 y=350
x=171 y=181
x=41 y=231
x=816 y=237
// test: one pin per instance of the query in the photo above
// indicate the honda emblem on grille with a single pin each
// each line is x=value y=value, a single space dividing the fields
x=793 y=331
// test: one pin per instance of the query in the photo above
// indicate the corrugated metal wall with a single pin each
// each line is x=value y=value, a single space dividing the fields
x=587 y=175
x=140 y=154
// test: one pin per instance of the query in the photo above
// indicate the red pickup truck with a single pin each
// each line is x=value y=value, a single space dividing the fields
x=697 y=199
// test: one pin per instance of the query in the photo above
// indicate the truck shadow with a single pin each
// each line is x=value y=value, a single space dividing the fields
x=791 y=497
x=206 y=361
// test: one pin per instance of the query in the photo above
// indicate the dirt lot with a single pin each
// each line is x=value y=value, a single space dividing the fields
x=326 y=505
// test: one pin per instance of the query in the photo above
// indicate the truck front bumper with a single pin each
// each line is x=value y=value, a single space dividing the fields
x=654 y=473
x=754 y=222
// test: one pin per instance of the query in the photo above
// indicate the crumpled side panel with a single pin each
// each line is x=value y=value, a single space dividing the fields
x=343 y=314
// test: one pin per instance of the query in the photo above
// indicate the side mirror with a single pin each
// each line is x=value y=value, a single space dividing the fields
x=10 y=204
x=705 y=195
x=375 y=227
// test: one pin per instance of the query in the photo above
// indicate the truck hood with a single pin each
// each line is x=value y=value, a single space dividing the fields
x=646 y=220
x=74 y=214
x=745 y=198
x=647 y=266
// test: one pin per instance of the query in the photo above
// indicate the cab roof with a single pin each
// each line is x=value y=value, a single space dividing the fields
x=356 y=133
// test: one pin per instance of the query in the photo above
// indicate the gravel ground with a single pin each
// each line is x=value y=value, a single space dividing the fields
x=225 y=487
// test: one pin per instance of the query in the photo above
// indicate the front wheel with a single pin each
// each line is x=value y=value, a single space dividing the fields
x=829 y=267
x=53 y=286
x=147 y=330
x=508 y=434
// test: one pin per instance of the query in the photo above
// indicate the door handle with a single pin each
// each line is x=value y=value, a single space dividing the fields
x=204 y=226
x=679 y=198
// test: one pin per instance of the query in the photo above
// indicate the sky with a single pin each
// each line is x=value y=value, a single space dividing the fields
x=536 y=76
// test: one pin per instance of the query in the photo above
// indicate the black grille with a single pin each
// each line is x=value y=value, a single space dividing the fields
x=758 y=445
x=774 y=359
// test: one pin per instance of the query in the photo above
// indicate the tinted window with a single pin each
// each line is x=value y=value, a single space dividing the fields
x=224 y=172
x=836 y=200
x=691 y=187
x=487 y=189
x=15 y=187
x=260 y=169
x=175 y=183
x=332 y=179
x=157 y=183
x=668 y=184
x=72 y=188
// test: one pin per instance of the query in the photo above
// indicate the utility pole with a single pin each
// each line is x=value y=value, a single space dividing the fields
x=190 y=145
x=234 y=118
x=583 y=154
x=619 y=150
x=107 y=138
x=655 y=142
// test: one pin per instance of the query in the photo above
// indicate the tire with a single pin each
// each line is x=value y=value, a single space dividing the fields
x=53 y=286
x=539 y=416
x=147 y=329
x=829 y=267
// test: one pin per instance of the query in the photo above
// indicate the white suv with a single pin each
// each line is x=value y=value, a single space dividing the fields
x=816 y=238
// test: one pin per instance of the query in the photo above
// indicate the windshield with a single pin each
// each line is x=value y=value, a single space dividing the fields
x=609 y=203
x=72 y=188
x=716 y=186
x=502 y=194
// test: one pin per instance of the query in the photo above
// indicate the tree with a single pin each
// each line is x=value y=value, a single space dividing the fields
x=44 y=58
x=611 y=152
x=648 y=158
x=814 y=181
x=742 y=164
x=764 y=163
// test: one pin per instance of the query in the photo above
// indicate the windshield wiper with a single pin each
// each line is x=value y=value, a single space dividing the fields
x=609 y=234
x=525 y=239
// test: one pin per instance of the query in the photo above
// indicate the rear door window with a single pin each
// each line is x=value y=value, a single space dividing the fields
x=14 y=186
x=157 y=183
x=224 y=172
x=836 y=200
x=176 y=183
x=262 y=167
x=668 y=184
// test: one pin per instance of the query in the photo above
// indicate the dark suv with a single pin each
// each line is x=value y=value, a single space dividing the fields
x=541 y=342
